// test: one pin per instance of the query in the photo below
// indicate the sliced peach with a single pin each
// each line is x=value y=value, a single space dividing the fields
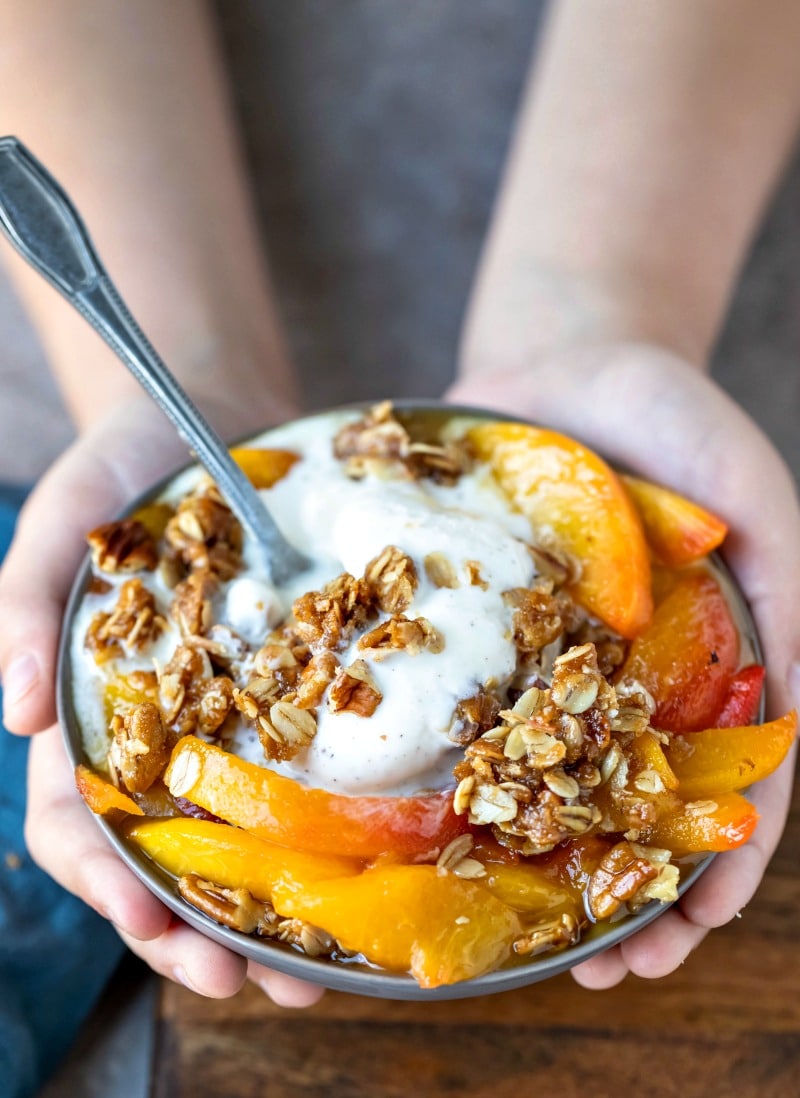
x=125 y=691
x=530 y=889
x=101 y=795
x=678 y=531
x=574 y=501
x=263 y=468
x=647 y=758
x=285 y=812
x=231 y=857
x=154 y=517
x=688 y=654
x=723 y=823
x=722 y=760
x=410 y=918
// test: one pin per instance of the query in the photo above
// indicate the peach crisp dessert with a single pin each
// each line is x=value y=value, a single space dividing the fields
x=510 y=701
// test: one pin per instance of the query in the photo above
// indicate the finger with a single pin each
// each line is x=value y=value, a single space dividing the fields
x=663 y=945
x=184 y=955
x=68 y=845
x=284 y=990
x=601 y=972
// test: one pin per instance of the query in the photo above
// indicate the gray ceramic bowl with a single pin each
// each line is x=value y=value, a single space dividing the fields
x=357 y=978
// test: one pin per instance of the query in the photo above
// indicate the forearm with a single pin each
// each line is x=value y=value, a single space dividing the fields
x=648 y=142
x=126 y=104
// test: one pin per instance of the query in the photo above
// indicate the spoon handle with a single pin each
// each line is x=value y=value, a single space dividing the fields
x=40 y=221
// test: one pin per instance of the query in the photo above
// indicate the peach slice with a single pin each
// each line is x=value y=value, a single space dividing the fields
x=285 y=812
x=722 y=760
x=410 y=918
x=678 y=531
x=101 y=795
x=700 y=826
x=231 y=857
x=262 y=467
x=577 y=503
x=688 y=654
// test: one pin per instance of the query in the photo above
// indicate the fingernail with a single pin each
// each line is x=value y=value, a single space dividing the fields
x=19 y=678
x=179 y=975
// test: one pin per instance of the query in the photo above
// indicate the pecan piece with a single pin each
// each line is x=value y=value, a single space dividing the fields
x=315 y=679
x=399 y=633
x=354 y=691
x=191 y=603
x=473 y=716
x=622 y=872
x=140 y=748
x=123 y=546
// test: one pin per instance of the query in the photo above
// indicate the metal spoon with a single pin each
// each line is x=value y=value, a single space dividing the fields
x=40 y=221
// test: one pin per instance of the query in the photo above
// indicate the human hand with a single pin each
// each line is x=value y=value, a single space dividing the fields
x=649 y=410
x=92 y=483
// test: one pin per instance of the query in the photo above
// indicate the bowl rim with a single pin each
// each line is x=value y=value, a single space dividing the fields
x=358 y=978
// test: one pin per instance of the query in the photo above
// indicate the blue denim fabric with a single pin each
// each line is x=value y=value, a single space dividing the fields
x=56 y=954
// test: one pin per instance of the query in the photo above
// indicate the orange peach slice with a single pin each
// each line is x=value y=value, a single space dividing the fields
x=231 y=857
x=722 y=760
x=701 y=826
x=678 y=531
x=575 y=502
x=285 y=812
x=101 y=795
x=688 y=654
x=410 y=918
x=263 y=468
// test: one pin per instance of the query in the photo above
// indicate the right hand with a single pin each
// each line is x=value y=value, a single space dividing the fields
x=95 y=479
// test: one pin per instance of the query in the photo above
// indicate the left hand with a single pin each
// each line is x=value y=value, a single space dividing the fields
x=648 y=410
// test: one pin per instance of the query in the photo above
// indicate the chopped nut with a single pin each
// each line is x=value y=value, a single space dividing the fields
x=399 y=633
x=123 y=546
x=315 y=679
x=474 y=575
x=391 y=578
x=619 y=876
x=472 y=717
x=558 y=932
x=440 y=570
x=191 y=605
x=140 y=748
x=354 y=691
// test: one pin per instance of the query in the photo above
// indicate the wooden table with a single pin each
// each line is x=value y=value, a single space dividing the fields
x=726 y=1024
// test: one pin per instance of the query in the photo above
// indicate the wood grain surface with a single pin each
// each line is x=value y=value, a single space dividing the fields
x=726 y=1024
